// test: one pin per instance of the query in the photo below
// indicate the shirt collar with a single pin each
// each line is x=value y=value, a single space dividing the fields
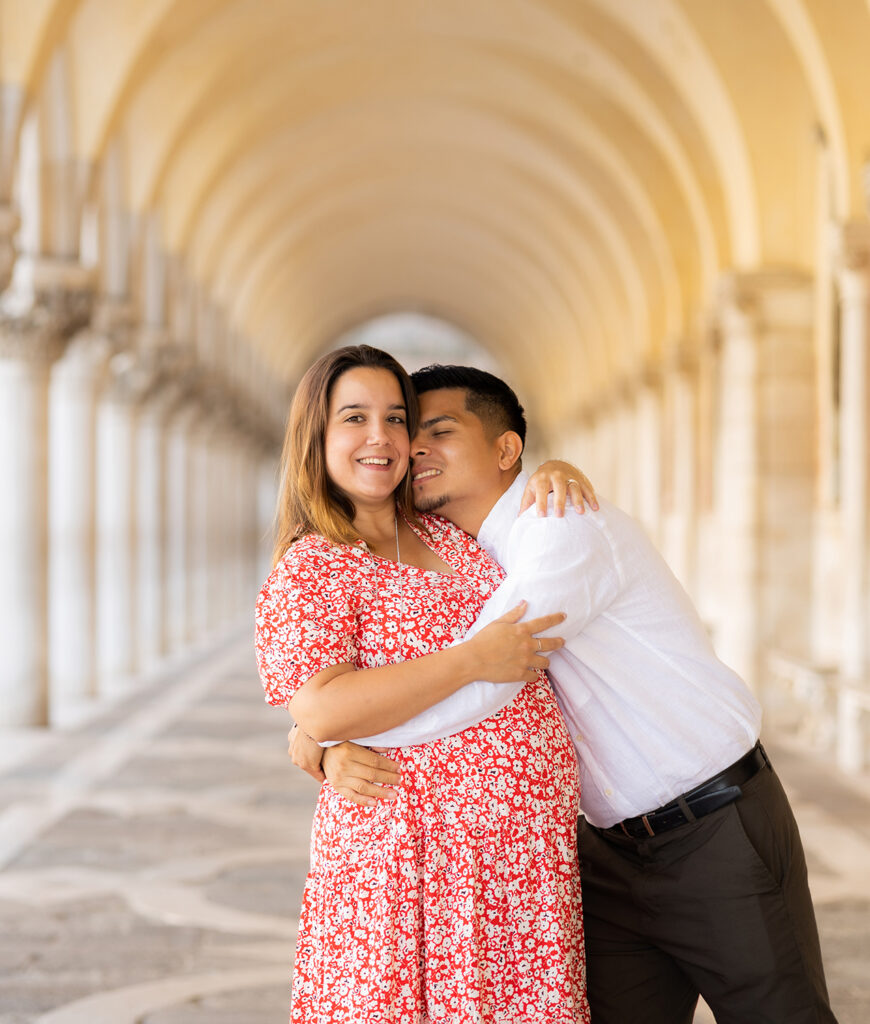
x=497 y=525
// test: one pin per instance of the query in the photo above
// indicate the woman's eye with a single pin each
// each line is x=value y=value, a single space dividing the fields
x=397 y=419
x=356 y=418
x=440 y=433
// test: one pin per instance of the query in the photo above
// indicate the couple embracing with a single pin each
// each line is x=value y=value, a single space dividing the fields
x=412 y=610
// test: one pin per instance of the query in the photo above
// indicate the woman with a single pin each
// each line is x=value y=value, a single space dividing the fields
x=459 y=901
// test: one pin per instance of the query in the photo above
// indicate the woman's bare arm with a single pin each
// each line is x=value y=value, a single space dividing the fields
x=341 y=702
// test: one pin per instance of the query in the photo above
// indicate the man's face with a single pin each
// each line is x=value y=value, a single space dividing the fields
x=453 y=462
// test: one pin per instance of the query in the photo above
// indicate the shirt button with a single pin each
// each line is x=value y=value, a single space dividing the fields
x=608 y=792
x=579 y=737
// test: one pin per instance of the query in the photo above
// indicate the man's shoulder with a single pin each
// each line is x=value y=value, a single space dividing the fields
x=588 y=522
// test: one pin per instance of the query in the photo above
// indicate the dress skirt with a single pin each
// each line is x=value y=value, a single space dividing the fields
x=459 y=902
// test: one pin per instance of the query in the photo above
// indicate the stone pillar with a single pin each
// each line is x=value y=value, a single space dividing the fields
x=178 y=611
x=26 y=351
x=116 y=527
x=201 y=602
x=32 y=336
x=648 y=452
x=680 y=527
x=150 y=515
x=75 y=383
x=267 y=499
x=764 y=468
x=853 y=256
x=624 y=449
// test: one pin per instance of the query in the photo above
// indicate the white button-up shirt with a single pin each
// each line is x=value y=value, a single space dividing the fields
x=651 y=709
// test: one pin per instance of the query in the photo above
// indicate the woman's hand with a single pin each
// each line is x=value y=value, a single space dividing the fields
x=361 y=775
x=560 y=478
x=507 y=650
x=305 y=753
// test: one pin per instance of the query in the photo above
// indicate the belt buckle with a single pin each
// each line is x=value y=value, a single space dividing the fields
x=650 y=831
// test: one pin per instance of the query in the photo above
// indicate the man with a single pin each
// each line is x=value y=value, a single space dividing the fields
x=694 y=876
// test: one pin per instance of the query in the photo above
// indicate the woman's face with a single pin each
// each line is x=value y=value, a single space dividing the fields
x=367 y=444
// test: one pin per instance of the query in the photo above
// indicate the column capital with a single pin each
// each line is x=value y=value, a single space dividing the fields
x=86 y=356
x=770 y=296
x=9 y=221
x=30 y=335
x=682 y=356
x=38 y=323
x=114 y=317
x=850 y=246
x=130 y=379
x=650 y=374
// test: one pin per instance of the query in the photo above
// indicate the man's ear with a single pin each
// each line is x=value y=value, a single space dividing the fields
x=510 y=449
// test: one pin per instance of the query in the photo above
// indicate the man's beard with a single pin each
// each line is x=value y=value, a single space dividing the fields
x=432 y=503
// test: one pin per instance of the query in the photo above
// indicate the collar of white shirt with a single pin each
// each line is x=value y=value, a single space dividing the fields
x=495 y=529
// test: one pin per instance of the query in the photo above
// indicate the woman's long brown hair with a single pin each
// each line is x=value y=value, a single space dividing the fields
x=308 y=501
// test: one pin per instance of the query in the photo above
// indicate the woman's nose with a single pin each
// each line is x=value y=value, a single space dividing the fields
x=377 y=432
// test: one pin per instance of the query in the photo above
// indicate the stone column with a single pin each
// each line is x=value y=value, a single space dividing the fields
x=764 y=468
x=150 y=514
x=201 y=601
x=75 y=383
x=178 y=611
x=680 y=524
x=624 y=448
x=853 y=257
x=33 y=331
x=267 y=499
x=27 y=348
x=116 y=525
x=647 y=455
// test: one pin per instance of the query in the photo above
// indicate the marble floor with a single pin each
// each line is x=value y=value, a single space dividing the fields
x=152 y=858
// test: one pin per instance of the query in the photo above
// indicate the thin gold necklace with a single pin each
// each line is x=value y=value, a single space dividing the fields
x=399 y=634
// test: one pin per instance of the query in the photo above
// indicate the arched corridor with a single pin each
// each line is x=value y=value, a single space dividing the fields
x=650 y=215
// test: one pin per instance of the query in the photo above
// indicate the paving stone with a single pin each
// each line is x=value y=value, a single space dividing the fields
x=51 y=956
x=187 y=773
x=114 y=842
x=240 y=730
x=262 y=1006
x=261 y=888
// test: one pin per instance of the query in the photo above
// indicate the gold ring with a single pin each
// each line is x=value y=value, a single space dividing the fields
x=540 y=645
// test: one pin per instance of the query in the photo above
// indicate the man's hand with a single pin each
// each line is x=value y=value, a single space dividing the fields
x=360 y=774
x=562 y=479
x=305 y=753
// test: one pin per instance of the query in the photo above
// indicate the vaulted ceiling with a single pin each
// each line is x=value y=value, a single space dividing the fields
x=563 y=179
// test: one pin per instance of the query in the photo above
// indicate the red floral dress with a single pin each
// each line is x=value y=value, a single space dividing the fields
x=459 y=902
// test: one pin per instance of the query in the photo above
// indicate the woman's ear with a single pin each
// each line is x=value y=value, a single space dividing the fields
x=510 y=448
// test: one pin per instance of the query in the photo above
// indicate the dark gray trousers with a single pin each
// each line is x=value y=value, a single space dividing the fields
x=718 y=907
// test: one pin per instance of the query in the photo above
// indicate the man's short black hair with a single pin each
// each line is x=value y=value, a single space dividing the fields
x=491 y=400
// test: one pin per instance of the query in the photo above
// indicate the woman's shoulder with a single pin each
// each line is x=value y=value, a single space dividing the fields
x=311 y=559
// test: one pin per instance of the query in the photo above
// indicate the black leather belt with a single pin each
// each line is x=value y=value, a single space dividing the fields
x=717 y=792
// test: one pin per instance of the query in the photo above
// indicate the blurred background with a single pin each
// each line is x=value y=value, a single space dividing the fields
x=650 y=216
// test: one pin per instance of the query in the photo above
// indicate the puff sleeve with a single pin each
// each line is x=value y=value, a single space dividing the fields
x=305 y=621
